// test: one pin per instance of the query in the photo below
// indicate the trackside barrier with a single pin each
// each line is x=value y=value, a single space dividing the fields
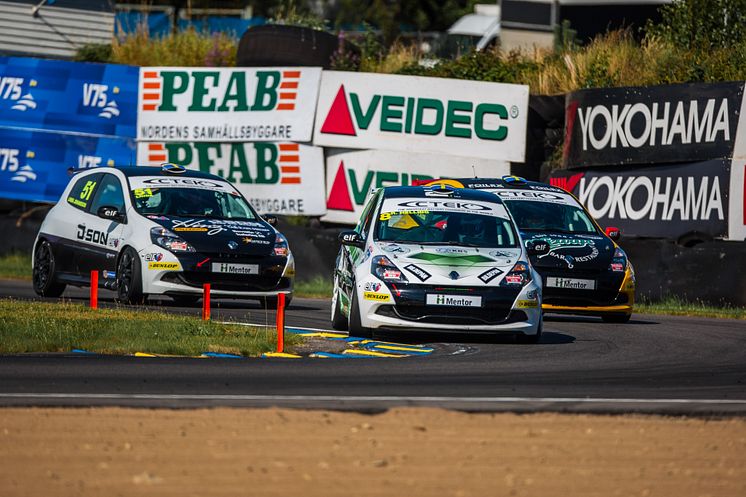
x=280 y=322
x=206 y=302
x=94 y=289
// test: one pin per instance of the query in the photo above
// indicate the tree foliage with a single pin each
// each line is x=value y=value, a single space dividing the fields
x=702 y=24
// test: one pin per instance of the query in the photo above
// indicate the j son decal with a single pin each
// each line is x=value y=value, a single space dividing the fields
x=91 y=235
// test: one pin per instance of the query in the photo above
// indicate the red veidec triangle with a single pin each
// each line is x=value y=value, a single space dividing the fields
x=339 y=197
x=338 y=121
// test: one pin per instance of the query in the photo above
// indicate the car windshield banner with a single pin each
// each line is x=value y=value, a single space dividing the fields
x=34 y=164
x=227 y=104
x=659 y=201
x=277 y=178
x=352 y=174
x=55 y=95
x=649 y=125
x=422 y=115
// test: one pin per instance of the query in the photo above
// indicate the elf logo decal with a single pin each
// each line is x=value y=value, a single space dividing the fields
x=602 y=127
x=685 y=198
x=12 y=89
x=418 y=116
x=259 y=162
x=272 y=90
x=348 y=187
x=94 y=95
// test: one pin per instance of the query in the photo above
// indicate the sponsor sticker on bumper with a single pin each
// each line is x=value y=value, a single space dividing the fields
x=527 y=304
x=573 y=283
x=453 y=300
x=378 y=297
x=164 y=266
x=231 y=268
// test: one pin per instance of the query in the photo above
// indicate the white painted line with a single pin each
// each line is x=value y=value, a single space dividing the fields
x=363 y=398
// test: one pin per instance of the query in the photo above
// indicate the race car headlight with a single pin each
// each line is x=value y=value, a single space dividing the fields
x=385 y=270
x=619 y=261
x=281 y=245
x=519 y=276
x=169 y=241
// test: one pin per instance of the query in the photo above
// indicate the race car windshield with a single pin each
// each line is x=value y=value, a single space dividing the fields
x=446 y=228
x=546 y=216
x=191 y=202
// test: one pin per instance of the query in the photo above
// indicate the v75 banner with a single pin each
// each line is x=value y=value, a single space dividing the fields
x=277 y=178
x=227 y=104
x=422 y=115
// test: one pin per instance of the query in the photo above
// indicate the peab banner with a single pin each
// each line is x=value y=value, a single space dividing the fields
x=55 y=95
x=277 y=178
x=352 y=174
x=422 y=115
x=227 y=104
x=34 y=164
x=651 y=125
x=672 y=201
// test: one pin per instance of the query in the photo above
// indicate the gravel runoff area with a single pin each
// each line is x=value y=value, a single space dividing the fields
x=402 y=452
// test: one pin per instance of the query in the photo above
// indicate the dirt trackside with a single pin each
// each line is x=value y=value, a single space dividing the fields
x=404 y=452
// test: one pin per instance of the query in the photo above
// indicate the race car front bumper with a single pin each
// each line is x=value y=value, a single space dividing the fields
x=623 y=303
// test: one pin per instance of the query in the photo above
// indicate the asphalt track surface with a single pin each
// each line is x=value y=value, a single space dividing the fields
x=654 y=364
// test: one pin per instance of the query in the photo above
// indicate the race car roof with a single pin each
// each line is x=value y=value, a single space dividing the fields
x=509 y=182
x=450 y=192
x=133 y=171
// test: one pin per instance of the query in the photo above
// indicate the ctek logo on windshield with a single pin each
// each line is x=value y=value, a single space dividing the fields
x=435 y=204
x=214 y=91
x=417 y=116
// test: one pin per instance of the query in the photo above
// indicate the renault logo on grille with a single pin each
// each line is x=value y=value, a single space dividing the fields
x=454 y=275
x=232 y=245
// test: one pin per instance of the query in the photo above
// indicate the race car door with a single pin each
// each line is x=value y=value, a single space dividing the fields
x=100 y=237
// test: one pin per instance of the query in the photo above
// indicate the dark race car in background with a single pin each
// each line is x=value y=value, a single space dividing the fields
x=584 y=271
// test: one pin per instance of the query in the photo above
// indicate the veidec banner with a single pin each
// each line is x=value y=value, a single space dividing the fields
x=352 y=174
x=34 y=164
x=227 y=104
x=658 y=201
x=56 y=95
x=277 y=178
x=422 y=115
x=650 y=125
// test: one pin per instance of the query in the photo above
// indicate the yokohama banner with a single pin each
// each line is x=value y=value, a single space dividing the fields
x=277 y=178
x=227 y=104
x=352 y=174
x=422 y=115
x=661 y=202
x=651 y=125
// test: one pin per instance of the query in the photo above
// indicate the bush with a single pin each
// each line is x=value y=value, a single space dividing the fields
x=94 y=52
x=186 y=48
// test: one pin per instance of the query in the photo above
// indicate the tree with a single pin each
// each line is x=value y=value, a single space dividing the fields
x=702 y=24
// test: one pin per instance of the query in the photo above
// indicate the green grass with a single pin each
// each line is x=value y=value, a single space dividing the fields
x=674 y=306
x=60 y=327
x=318 y=287
x=16 y=266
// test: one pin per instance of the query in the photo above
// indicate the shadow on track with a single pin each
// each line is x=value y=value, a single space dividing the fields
x=421 y=338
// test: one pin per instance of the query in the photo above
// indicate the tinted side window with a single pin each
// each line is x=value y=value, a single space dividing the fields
x=365 y=220
x=82 y=192
x=108 y=192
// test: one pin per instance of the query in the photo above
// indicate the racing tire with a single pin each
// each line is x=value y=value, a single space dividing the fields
x=616 y=318
x=43 y=276
x=531 y=338
x=271 y=302
x=339 y=322
x=185 y=300
x=356 y=328
x=129 y=278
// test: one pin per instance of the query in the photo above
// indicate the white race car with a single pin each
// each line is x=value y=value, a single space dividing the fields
x=436 y=258
x=167 y=231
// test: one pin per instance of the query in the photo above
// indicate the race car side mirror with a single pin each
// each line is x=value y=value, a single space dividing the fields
x=614 y=233
x=271 y=220
x=351 y=238
x=111 y=213
x=537 y=248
